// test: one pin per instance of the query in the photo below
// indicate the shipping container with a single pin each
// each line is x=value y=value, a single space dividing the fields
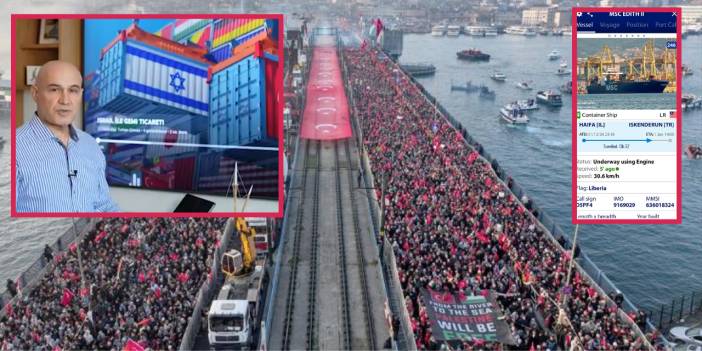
x=221 y=53
x=229 y=29
x=238 y=103
x=141 y=78
x=166 y=32
x=184 y=28
x=171 y=136
x=199 y=38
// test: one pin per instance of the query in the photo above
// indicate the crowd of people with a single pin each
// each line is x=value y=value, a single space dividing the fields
x=454 y=226
x=138 y=284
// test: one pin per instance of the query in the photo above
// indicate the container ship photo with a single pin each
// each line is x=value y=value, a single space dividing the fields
x=653 y=86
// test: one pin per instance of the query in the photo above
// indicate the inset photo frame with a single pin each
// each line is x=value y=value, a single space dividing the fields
x=31 y=74
x=49 y=31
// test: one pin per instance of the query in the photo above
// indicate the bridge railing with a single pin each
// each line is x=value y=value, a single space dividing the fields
x=207 y=291
x=32 y=275
x=667 y=315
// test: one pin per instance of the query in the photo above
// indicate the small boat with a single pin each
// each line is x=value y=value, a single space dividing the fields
x=419 y=69
x=524 y=85
x=693 y=152
x=549 y=97
x=557 y=32
x=562 y=72
x=564 y=64
x=512 y=114
x=690 y=101
x=554 y=55
x=543 y=31
x=566 y=88
x=486 y=93
x=498 y=76
x=469 y=87
x=687 y=71
x=473 y=55
x=527 y=105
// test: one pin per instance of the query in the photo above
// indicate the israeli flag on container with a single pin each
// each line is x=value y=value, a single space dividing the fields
x=166 y=78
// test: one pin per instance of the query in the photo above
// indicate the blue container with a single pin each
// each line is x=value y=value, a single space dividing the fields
x=221 y=53
x=238 y=103
x=139 y=78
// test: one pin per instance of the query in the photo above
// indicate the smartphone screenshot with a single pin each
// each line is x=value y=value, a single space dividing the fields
x=626 y=115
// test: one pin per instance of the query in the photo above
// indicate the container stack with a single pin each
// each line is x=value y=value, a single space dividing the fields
x=220 y=69
x=240 y=101
x=144 y=74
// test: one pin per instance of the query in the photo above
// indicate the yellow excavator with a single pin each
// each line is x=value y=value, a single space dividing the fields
x=234 y=262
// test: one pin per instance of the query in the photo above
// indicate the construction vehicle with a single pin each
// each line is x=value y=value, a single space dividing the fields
x=234 y=314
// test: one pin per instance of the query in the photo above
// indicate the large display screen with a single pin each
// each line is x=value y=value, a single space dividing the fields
x=178 y=104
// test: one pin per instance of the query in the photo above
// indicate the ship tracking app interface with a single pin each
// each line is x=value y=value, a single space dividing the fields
x=626 y=119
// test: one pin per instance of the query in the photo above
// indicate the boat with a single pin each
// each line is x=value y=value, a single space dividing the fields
x=557 y=32
x=498 y=76
x=419 y=69
x=520 y=30
x=512 y=114
x=562 y=72
x=690 y=101
x=486 y=93
x=693 y=152
x=468 y=86
x=542 y=31
x=625 y=86
x=566 y=88
x=473 y=55
x=453 y=31
x=549 y=97
x=438 y=30
x=554 y=55
x=567 y=32
x=527 y=105
x=480 y=31
x=687 y=71
x=564 y=64
x=524 y=85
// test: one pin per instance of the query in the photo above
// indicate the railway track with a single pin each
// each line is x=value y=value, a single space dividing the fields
x=292 y=292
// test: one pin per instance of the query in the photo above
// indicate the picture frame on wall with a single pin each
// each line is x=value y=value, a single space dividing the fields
x=48 y=31
x=31 y=74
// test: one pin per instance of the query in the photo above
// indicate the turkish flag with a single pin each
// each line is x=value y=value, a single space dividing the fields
x=67 y=297
x=132 y=345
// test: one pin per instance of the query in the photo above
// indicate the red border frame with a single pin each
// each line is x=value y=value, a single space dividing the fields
x=574 y=97
x=278 y=86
